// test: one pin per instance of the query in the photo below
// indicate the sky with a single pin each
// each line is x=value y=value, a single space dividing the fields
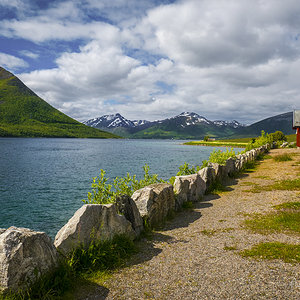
x=151 y=59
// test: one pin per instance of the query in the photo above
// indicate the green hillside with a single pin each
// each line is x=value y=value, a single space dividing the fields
x=24 y=114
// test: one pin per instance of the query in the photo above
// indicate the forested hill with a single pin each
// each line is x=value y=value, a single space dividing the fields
x=24 y=114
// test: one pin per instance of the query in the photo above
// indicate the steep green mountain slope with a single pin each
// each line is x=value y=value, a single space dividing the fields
x=282 y=122
x=24 y=114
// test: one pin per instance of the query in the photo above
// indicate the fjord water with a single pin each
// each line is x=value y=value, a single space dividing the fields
x=43 y=181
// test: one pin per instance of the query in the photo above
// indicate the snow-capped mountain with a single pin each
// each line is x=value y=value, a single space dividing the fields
x=234 y=123
x=110 y=122
x=140 y=122
x=190 y=118
x=183 y=120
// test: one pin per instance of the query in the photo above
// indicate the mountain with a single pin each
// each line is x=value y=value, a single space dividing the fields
x=187 y=125
x=282 y=122
x=110 y=122
x=24 y=114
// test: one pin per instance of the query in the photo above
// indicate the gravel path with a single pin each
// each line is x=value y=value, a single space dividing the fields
x=196 y=255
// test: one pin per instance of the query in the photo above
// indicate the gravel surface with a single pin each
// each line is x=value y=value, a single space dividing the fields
x=196 y=256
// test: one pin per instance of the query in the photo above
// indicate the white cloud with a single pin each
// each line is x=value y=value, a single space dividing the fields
x=29 y=54
x=224 y=59
x=11 y=62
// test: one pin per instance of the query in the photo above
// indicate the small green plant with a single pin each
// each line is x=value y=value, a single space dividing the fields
x=219 y=156
x=104 y=193
x=186 y=169
x=206 y=138
x=283 y=157
x=274 y=250
x=101 y=255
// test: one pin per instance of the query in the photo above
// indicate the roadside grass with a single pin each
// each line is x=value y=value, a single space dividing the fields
x=288 y=205
x=217 y=188
x=288 y=184
x=283 y=157
x=209 y=232
x=274 y=250
x=286 y=218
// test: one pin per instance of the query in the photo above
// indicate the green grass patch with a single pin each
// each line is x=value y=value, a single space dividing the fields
x=280 y=221
x=216 y=188
x=209 y=232
x=217 y=144
x=288 y=184
x=283 y=157
x=230 y=248
x=288 y=205
x=274 y=250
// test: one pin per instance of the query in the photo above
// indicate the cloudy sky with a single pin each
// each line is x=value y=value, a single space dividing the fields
x=151 y=59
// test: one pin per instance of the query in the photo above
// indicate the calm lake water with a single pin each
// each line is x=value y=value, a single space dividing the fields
x=43 y=181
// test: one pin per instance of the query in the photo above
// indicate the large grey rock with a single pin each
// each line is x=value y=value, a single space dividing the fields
x=127 y=207
x=208 y=175
x=188 y=188
x=230 y=166
x=155 y=202
x=25 y=255
x=220 y=173
x=92 y=222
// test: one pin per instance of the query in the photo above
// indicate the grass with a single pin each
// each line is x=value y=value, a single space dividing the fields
x=288 y=184
x=217 y=144
x=274 y=250
x=285 y=219
x=288 y=205
x=209 y=232
x=282 y=157
x=216 y=188
x=81 y=268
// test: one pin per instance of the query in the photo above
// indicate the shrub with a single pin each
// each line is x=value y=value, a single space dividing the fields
x=186 y=169
x=104 y=193
x=219 y=156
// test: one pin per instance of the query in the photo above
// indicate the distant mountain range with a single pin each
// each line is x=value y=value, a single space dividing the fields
x=189 y=125
x=24 y=114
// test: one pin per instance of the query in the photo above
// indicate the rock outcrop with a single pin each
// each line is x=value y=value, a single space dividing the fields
x=155 y=202
x=92 y=222
x=127 y=207
x=25 y=255
x=208 y=174
x=188 y=188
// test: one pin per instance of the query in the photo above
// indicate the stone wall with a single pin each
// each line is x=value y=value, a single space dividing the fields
x=25 y=254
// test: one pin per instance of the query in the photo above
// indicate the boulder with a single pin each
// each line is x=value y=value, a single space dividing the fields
x=208 y=174
x=188 y=188
x=230 y=166
x=92 y=222
x=25 y=255
x=127 y=207
x=155 y=202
